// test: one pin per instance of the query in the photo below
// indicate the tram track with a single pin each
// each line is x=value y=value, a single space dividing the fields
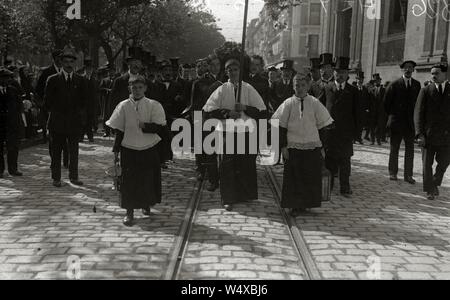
x=180 y=246
x=306 y=260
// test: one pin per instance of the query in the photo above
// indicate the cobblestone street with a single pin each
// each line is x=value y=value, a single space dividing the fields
x=390 y=223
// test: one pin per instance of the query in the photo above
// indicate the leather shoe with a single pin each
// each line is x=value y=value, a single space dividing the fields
x=76 y=182
x=16 y=174
x=228 y=207
x=146 y=212
x=212 y=187
x=128 y=220
x=430 y=196
x=393 y=178
x=410 y=180
x=57 y=183
x=347 y=193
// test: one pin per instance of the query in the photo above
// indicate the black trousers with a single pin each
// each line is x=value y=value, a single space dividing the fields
x=442 y=156
x=396 y=139
x=88 y=128
x=65 y=152
x=341 y=166
x=12 y=152
x=59 y=141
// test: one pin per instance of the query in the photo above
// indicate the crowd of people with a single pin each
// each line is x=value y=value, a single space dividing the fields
x=321 y=116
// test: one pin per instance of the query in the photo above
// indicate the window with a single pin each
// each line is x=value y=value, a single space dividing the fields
x=314 y=13
x=397 y=16
x=313 y=44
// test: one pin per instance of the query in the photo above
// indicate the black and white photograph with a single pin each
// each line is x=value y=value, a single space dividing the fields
x=224 y=145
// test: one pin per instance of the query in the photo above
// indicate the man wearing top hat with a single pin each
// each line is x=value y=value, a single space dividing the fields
x=363 y=103
x=399 y=102
x=317 y=89
x=342 y=103
x=378 y=117
x=284 y=88
x=11 y=108
x=432 y=124
x=65 y=99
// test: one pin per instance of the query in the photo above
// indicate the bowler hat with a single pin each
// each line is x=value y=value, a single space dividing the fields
x=376 y=76
x=326 y=59
x=342 y=63
x=69 y=52
x=288 y=65
x=315 y=63
x=402 y=65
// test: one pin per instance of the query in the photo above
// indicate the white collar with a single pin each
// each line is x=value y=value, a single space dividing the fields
x=406 y=79
x=443 y=85
x=66 y=74
x=338 y=85
x=57 y=69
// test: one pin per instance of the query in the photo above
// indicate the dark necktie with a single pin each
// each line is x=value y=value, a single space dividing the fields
x=69 y=80
x=302 y=107
x=408 y=85
x=440 y=89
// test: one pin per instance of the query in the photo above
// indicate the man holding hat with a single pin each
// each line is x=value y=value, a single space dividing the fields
x=65 y=99
x=342 y=103
x=10 y=123
x=399 y=103
x=432 y=123
x=284 y=88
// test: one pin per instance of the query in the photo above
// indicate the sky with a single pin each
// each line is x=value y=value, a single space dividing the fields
x=230 y=15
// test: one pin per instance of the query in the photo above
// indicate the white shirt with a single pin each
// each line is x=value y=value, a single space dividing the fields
x=303 y=127
x=224 y=97
x=442 y=84
x=126 y=118
x=338 y=85
x=407 y=81
x=67 y=74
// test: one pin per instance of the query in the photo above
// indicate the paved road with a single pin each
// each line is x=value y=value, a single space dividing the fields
x=41 y=227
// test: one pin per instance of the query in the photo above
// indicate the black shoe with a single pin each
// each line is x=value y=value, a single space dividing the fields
x=295 y=212
x=146 y=212
x=129 y=218
x=436 y=191
x=212 y=187
x=164 y=166
x=57 y=183
x=393 y=178
x=410 y=180
x=228 y=207
x=347 y=193
x=16 y=174
x=106 y=135
x=76 y=182
x=431 y=196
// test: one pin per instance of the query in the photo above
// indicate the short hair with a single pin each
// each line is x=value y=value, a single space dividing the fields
x=443 y=67
x=138 y=79
x=258 y=57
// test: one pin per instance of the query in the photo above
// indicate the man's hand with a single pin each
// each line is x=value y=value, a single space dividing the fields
x=285 y=152
x=234 y=115
x=421 y=141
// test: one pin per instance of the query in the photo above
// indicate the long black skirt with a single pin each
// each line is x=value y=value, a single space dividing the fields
x=302 y=183
x=141 y=178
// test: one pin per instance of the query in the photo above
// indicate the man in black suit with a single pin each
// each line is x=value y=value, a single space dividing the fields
x=363 y=104
x=378 y=117
x=91 y=116
x=258 y=81
x=65 y=99
x=10 y=123
x=40 y=88
x=399 y=102
x=342 y=103
x=317 y=86
x=105 y=93
x=432 y=123
x=284 y=88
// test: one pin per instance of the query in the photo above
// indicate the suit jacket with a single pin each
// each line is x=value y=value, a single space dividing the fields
x=261 y=85
x=42 y=82
x=105 y=97
x=173 y=99
x=318 y=90
x=399 y=104
x=65 y=103
x=432 y=115
x=119 y=91
x=344 y=109
x=93 y=87
x=280 y=92
x=11 y=108
x=377 y=113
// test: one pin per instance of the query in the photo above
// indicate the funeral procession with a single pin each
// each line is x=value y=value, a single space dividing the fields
x=224 y=140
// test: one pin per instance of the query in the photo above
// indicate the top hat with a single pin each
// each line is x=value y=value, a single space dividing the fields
x=360 y=75
x=326 y=59
x=315 y=63
x=342 y=63
x=272 y=69
x=376 y=76
x=402 y=65
x=69 y=52
x=288 y=65
x=5 y=73
x=134 y=53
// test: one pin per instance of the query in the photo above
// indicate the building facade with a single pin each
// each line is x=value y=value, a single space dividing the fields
x=378 y=35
